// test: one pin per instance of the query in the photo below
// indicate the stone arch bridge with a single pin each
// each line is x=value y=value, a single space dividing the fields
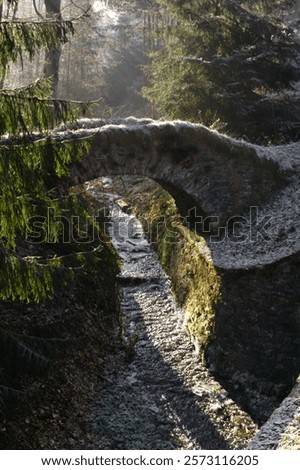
x=257 y=256
x=254 y=187
x=222 y=176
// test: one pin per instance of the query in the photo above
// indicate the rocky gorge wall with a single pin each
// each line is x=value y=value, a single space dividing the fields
x=281 y=431
x=244 y=322
x=256 y=337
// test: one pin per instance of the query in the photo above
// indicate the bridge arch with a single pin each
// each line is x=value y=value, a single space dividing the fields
x=223 y=177
x=257 y=311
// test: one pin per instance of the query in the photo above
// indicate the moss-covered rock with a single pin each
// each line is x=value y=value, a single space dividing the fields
x=244 y=322
x=185 y=258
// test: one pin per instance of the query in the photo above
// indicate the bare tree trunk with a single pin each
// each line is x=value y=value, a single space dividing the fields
x=51 y=67
x=1 y=77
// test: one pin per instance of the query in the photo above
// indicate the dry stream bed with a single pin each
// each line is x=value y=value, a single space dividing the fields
x=160 y=395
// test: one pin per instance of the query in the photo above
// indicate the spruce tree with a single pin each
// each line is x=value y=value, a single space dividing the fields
x=30 y=169
x=228 y=63
x=48 y=242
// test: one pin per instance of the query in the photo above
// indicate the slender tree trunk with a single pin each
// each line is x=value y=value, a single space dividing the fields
x=51 y=67
x=1 y=76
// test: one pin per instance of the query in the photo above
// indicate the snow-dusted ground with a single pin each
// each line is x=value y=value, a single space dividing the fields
x=161 y=396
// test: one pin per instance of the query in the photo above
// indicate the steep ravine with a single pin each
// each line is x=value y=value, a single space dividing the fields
x=160 y=396
x=244 y=321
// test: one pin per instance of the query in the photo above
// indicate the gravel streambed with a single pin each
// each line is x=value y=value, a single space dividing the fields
x=156 y=393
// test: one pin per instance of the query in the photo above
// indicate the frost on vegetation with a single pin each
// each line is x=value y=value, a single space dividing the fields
x=286 y=155
x=169 y=398
x=249 y=248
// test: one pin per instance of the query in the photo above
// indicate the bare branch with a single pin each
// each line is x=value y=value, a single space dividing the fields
x=37 y=11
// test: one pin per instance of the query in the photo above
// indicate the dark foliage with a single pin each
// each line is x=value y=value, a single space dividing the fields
x=228 y=63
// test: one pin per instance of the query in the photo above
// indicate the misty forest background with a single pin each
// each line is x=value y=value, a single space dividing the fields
x=230 y=65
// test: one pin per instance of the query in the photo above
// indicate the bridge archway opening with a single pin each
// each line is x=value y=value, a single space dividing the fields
x=131 y=188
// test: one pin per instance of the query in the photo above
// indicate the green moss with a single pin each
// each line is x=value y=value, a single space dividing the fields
x=196 y=285
x=185 y=258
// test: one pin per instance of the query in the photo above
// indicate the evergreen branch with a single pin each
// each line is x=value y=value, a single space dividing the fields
x=18 y=36
x=41 y=85
x=27 y=282
x=34 y=339
x=6 y=391
x=31 y=108
x=36 y=10
x=32 y=168
x=43 y=139
x=84 y=12
x=29 y=356
x=49 y=19
x=33 y=22
x=49 y=101
x=58 y=259
x=15 y=345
